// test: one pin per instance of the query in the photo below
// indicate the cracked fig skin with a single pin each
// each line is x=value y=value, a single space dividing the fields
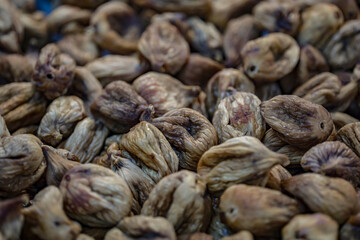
x=297 y=121
x=238 y=160
x=95 y=196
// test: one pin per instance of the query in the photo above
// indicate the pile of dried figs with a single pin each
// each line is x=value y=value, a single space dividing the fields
x=181 y=119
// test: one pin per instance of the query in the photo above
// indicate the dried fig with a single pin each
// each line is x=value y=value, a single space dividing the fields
x=277 y=174
x=54 y=72
x=95 y=196
x=181 y=199
x=4 y=132
x=242 y=235
x=46 y=219
x=332 y=196
x=311 y=226
x=119 y=107
x=297 y=121
x=239 y=115
x=261 y=211
x=189 y=133
x=164 y=47
x=268 y=91
x=164 y=92
x=35 y=28
x=60 y=119
x=269 y=58
x=238 y=160
x=350 y=135
x=341 y=119
x=16 y=68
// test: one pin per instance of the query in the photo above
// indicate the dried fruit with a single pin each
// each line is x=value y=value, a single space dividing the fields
x=269 y=58
x=311 y=226
x=4 y=132
x=164 y=47
x=242 y=235
x=268 y=91
x=54 y=72
x=181 y=199
x=119 y=107
x=277 y=175
x=21 y=163
x=189 y=133
x=60 y=119
x=46 y=219
x=297 y=121
x=261 y=211
x=332 y=196
x=238 y=160
x=341 y=119
x=164 y=92
x=239 y=115
x=35 y=28
x=95 y=196
x=349 y=134
x=16 y=68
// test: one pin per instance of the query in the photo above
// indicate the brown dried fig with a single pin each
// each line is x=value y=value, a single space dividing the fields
x=239 y=115
x=189 y=133
x=67 y=19
x=278 y=16
x=237 y=33
x=114 y=67
x=269 y=58
x=60 y=119
x=87 y=139
x=95 y=196
x=345 y=96
x=350 y=230
x=320 y=89
x=341 y=119
x=164 y=92
x=277 y=174
x=59 y=161
x=242 y=235
x=350 y=135
x=11 y=218
x=333 y=159
x=268 y=91
x=311 y=226
x=21 y=163
x=224 y=80
x=297 y=121
x=54 y=72
x=342 y=50
x=119 y=107
x=117 y=27
x=238 y=160
x=198 y=70
x=261 y=211
x=181 y=199
x=46 y=219
x=164 y=47
x=16 y=68
x=332 y=196
x=199 y=104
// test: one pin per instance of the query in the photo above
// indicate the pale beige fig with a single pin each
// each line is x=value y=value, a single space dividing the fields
x=46 y=219
x=319 y=24
x=269 y=58
x=349 y=134
x=164 y=92
x=115 y=234
x=238 y=160
x=68 y=19
x=189 y=133
x=11 y=217
x=259 y=210
x=95 y=196
x=16 y=68
x=239 y=115
x=242 y=235
x=117 y=27
x=316 y=226
x=4 y=131
x=350 y=230
x=21 y=163
x=115 y=67
x=60 y=119
x=333 y=159
x=297 y=121
x=276 y=176
x=54 y=72
x=278 y=16
x=226 y=79
x=332 y=196
x=80 y=47
x=87 y=139
x=164 y=47
x=146 y=146
x=180 y=198
x=59 y=161
x=21 y=105
x=119 y=107
x=341 y=119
